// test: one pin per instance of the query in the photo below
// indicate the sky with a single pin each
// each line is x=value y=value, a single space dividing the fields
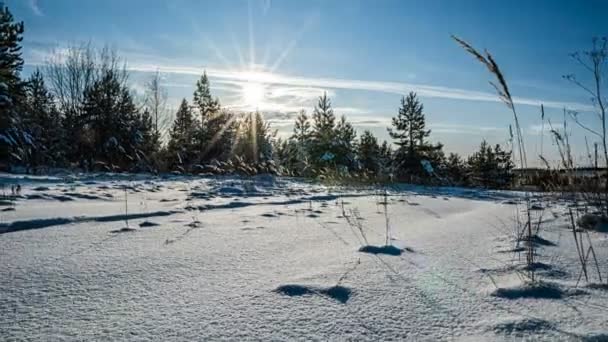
x=279 y=56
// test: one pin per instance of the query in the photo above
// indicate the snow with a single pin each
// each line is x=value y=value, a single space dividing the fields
x=264 y=258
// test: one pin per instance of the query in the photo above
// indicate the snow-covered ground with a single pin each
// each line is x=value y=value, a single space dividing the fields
x=276 y=259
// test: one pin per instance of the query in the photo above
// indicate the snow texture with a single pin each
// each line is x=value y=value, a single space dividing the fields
x=264 y=258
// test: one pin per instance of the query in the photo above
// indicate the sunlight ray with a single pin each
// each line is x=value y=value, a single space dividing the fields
x=218 y=135
x=238 y=51
x=292 y=44
x=254 y=136
x=218 y=53
x=266 y=55
x=251 y=37
x=210 y=44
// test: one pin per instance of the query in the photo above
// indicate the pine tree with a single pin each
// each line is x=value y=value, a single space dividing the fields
x=108 y=119
x=345 y=145
x=386 y=159
x=490 y=167
x=182 y=139
x=254 y=144
x=217 y=128
x=147 y=141
x=410 y=133
x=41 y=120
x=286 y=156
x=12 y=137
x=322 y=149
x=299 y=146
x=369 y=153
x=301 y=129
x=456 y=169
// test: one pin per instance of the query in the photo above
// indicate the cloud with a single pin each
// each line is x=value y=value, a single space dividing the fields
x=301 y=90
x=451 y=128
x=33 y=5
x=400 y=88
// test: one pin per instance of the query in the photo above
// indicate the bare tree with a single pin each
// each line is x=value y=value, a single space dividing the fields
x=70 y=73
x=156 y=102
x=594 y=61
x=72 y=70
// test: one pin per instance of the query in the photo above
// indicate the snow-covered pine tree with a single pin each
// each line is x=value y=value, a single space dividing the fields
x=146 y=141
x=107 y=121
x=12 y=137
x=42 y=121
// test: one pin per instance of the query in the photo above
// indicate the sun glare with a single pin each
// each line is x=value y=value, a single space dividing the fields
x=253 y=94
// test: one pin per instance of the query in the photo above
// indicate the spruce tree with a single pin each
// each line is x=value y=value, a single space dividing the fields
x=107 y=120
x=182 y=138
x=12 y=137
x=42 y=121
x=147 y=141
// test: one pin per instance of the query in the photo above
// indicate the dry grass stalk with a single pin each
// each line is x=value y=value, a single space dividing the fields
x=504 y=94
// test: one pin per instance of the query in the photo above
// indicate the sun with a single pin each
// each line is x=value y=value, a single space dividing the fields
x=253 y=94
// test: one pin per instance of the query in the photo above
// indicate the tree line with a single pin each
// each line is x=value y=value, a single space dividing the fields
x=78 y=112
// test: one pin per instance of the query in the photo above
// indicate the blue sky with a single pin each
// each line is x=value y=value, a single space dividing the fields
x=278 y=56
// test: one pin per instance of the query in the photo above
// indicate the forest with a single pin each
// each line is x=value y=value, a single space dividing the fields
x=77 y=112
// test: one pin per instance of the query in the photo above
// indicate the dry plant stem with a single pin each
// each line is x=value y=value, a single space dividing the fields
x=126 y=208
x=530 y=258
x=597 y=266
x=385 y=204
x=579 y=250
x=505 y=95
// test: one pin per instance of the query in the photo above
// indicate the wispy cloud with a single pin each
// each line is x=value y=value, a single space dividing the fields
x=33 y=5
x=304 y=87
x=353 y=84
x=452 y=128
